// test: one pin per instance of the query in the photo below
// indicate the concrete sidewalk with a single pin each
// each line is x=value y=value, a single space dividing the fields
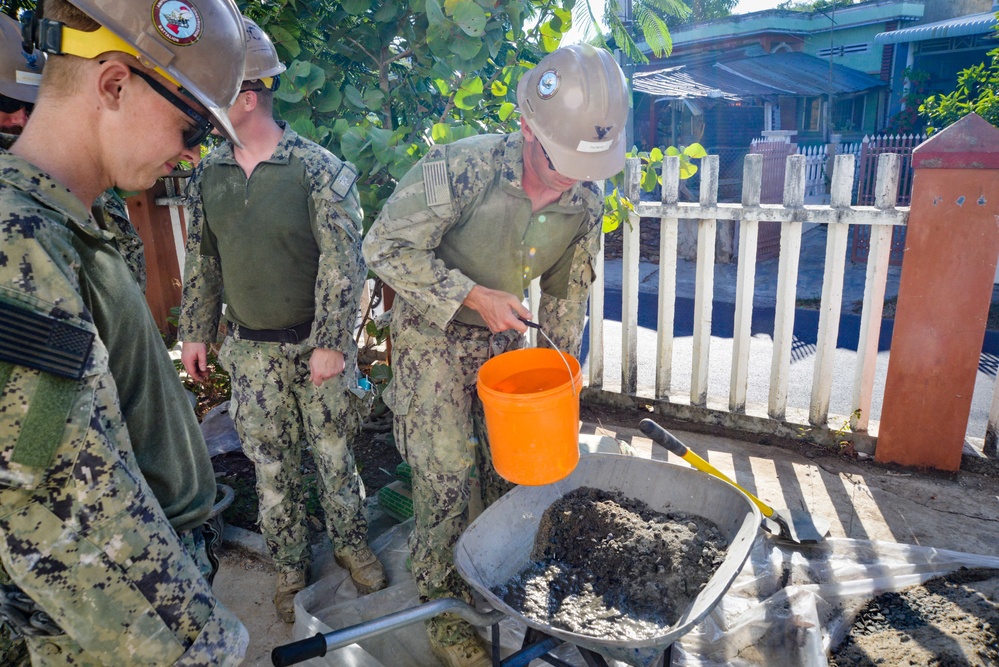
x=859 y=499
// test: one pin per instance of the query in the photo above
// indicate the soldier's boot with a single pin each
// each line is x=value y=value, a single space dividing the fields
x=288 y=583
x=455 y=642
x=365 y=569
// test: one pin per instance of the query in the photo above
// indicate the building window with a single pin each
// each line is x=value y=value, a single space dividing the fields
x=840 y=51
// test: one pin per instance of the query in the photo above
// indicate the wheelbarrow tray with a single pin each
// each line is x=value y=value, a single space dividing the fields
x=497 y=545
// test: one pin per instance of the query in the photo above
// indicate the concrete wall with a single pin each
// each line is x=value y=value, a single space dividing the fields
x=940 y=10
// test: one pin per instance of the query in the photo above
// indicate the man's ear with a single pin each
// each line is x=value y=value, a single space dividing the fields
x=526 y=130
x=111 y=77
x=250 y=103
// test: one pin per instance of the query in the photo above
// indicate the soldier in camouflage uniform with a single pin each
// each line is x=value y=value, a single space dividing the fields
x=460 y=239
x=99 y=574
x=287 y=204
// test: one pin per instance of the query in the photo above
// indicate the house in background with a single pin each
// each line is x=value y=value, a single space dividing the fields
x=952 y=36
x=811 y=73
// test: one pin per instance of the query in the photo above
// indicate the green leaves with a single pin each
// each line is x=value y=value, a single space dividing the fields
x=617 y=206
x=469 y=94
x=378 y=81
x=470 y=18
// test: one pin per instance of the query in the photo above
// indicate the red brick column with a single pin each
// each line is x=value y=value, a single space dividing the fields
x=952 y=244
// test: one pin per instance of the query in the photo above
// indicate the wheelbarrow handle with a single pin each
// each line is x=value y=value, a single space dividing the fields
x=670 y=442
x=300 y=651
x=320 y=644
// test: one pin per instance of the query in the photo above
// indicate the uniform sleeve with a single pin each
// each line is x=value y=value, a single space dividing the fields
x=400 y=245
x=201 y=303
x=336 y=224
x=49 y=350
x=565 y=287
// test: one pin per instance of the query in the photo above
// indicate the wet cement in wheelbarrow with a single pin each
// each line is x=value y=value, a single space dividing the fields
x=949 y=621
x=606 y=565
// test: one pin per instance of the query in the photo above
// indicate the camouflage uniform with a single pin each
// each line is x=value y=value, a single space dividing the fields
x=112 y=215
x=81 y=532
x=275 y=405
x=432 y=244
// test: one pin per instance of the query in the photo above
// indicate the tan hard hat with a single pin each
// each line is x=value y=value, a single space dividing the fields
x=20 y=72
x=262 y=62
x=576 y=102
x=198 y=45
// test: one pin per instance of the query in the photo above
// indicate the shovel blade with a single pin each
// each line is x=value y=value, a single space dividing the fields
x=795 y=526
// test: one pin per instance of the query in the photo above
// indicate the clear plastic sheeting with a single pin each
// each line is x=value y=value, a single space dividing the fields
x=790 y=604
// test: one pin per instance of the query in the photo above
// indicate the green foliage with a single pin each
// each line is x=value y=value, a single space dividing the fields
x=617 y=206
x=217 y=388
x=977 y=91
x=379 y=81
x=705 y=10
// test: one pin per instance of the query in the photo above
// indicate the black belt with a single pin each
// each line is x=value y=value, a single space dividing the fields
x=296 y=334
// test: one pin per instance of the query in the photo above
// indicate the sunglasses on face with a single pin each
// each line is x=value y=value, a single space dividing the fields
x=547 y=157
x=203 y=126
x=10 y=105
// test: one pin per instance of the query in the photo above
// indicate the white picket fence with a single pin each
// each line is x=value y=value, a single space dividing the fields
x=734 y=412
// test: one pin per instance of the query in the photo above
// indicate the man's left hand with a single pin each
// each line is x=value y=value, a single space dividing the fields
x=324 y=364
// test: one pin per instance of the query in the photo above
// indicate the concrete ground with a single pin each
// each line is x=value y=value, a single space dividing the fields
x=859 y=499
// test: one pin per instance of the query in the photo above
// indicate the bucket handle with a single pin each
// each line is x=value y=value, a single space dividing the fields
x=535 y=325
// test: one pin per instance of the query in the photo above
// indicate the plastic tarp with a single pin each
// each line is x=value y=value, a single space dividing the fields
x=790 y=604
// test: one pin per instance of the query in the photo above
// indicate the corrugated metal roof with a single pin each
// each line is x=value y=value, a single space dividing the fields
x=973 y=24
x=772 y=75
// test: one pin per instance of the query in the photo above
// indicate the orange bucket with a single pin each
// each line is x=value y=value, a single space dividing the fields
x=532 y=414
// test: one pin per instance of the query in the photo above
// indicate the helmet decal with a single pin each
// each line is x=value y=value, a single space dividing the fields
x=177 y=21
x=548 y=84
x=602 y=131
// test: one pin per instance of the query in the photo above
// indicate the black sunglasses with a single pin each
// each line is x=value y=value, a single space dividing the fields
x=203 y=126
x=547 y=157
x=10 y=105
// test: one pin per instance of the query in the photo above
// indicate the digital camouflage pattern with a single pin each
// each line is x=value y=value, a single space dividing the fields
x=274 y=405
x=80 y=531
x=114 y=218
x=483 y=232
x=277 y=409
x=432 y=253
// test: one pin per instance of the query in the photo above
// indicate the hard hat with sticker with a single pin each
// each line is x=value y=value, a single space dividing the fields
x=179 y=22
x=548 y=84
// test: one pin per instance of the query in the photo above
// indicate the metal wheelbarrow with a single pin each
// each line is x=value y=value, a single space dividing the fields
x=497 y=546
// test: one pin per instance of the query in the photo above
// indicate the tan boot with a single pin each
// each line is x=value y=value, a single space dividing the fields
x=365 y=569
x=470 y=652
x=288 y=583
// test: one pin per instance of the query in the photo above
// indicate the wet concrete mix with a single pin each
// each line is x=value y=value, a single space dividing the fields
x=948 y=621
x=606 y=565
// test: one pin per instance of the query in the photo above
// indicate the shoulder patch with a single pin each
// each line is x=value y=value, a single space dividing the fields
x=437 y=183
x=344 y=180
x=29 y=338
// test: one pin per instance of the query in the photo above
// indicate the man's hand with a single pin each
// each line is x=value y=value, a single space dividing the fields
x=499 y=309
x=195 y=359
x=324 y=364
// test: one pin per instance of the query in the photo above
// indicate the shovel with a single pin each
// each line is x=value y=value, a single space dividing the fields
x=792 y=526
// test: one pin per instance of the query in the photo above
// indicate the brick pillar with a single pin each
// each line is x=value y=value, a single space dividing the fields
x=952 y=243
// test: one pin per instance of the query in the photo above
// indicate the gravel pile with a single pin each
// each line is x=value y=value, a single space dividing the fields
x=609 y=566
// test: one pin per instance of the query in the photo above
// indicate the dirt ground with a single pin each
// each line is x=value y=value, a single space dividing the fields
x=946 y=622
x=606 y=565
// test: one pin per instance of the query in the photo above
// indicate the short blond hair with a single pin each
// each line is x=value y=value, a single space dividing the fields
x=62 y=73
